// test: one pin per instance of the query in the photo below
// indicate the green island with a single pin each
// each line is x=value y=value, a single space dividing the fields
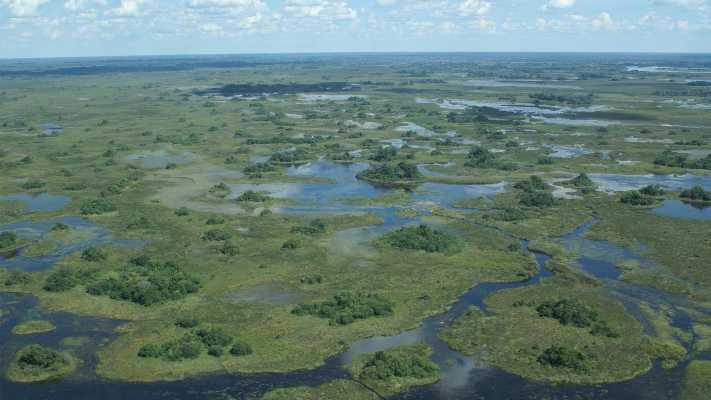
x=33 y=327
x=35 y=363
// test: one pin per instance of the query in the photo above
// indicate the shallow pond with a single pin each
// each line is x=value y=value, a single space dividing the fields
x=680 y=209
x=42 y=202
x=81 y=235
x=620 y=183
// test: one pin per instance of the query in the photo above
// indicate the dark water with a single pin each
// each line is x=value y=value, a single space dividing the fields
x=680 y=209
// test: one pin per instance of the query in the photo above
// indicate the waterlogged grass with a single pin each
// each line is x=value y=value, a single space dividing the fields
x=337 y=389
x=697 y=381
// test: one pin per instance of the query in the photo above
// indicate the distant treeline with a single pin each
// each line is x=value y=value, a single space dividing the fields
x=116 y=67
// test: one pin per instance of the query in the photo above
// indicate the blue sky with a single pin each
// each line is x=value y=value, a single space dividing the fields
x=54 y=28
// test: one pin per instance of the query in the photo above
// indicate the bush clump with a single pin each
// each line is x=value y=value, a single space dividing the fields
x=216 y=235
x=402 y=172
x=93 y=254
x=697 y=193
x=38 y=362
x=635 y=198
x=575 y=313
x=652 y=190
x=253 y=196
x=192 y=344
x=8 y=239
x=582 y=181
x=480 y=157
x=315 y=227
x=564 y=357
x=346 y=308
x=17 y=278
x=385 y=365
x=65 y=279
x=421 y=238
x=258 y=170
x=147 y=283
x=97 y=206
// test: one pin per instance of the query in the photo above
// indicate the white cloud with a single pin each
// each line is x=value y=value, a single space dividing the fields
x=325 y=9
x=474 y=7
x=603 y=21
x=23 y=8
x=561 y=3
x=127 y=8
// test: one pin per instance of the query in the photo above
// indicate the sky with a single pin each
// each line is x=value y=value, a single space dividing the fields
x=73 y=28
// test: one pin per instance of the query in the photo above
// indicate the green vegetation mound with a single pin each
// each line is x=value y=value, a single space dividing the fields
x=697 y=193
x=147 y=283
x=193 y=344
x=403 y=173
x=33 y=327
x=36 y=363
x=346 y=308
x=564 y=357
x=421 y=238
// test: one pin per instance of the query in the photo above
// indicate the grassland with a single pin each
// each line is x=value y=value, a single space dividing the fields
x=261 y=265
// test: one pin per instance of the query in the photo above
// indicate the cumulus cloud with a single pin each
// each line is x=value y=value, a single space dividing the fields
x=325 y=9
x=127 y=8
x=23 y=8
x=474 y=7
x=561 y=3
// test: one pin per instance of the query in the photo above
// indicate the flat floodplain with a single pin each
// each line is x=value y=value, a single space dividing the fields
x=386 y=227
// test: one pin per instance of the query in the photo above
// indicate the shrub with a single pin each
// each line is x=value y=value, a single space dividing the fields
x=216 y=235
x=216 y=351
x=346 y=308
x=259 y=169
x=148 y=284
x=312 y=279
x=60 y=226
x=65 y=279
x=480 y=157
x=8 y=239
x=538 y=199
x=291 y=244
x=315 y=227
x=568 y=312
x=564 y=357
x=229 y=249
x=214 y=337
x=93 y=254
x=33 y=184
x=384 y=154
x=35 y=357
x=185 y=348
x=186 y=323
x=215 y=221
x=697 y=193
x=533 y=184
x=421 y=238
x=289 y=156
x=636 y=198
x=17 y=278
x=582 y=181
x=652 y=190
x=98 y=206
x=182 y=212
x=253 y=196
x=389 y=173
x=384 y=365
x=240 y=348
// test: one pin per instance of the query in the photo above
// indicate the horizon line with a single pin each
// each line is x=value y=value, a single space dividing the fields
x=351 y=53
